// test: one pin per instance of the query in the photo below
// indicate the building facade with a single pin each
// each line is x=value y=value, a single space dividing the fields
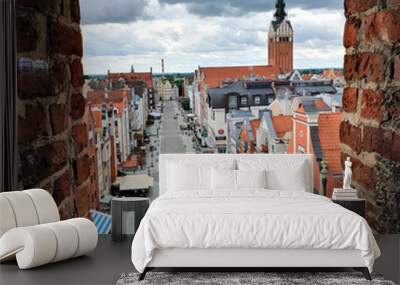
x=166 y=90
x=243 y=95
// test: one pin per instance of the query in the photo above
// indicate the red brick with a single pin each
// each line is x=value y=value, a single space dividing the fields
x=33 y=124
x=371 y=103
x=76 y=73
x=382 y=26
x=350 y=135
x=82 y=200
x=396 y=75
x=77 y=105
x=371 y=67
x=80 y=136
x=82 y=169
x=387 y=24
x=358 y=6
x=350 y=97
x=65 y=39
x=369 y=27
x=62 y=187
x=380 y=141
x=350 y=67
x=58 y=155
x=75 y=11
x=58 y=118
x=393 y=4
x=27 y=34
x=59 y=78
x=395 y=149
x=40 y=163
x=351 y=31
x=371 y=139
x=43 y=6
x=364 y=175
x=36 y=84
x=67 y=209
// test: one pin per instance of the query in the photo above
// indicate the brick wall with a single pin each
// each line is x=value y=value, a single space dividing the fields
x=52 y=134
x=370 y=132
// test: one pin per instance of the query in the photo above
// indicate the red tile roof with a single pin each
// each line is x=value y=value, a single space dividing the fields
x=319 y=104
x=213 y=76
x=328 y=128
x=95 y=97
x=118 y=95
x=130 y=76
x=282 y=125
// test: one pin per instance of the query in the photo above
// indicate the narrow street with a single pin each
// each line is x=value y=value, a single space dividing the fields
x=171 y=141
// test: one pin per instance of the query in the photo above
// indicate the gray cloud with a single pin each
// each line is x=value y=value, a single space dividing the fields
x=211 y=32
x=240 y=7
x=112 y=11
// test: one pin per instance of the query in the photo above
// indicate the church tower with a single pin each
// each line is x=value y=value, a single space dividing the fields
x=280 y=40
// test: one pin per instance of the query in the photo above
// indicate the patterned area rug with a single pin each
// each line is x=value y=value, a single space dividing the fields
x=243 y=278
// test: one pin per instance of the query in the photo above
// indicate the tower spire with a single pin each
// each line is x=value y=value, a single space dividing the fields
x=280 y=13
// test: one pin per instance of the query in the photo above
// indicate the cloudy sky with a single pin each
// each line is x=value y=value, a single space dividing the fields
x=189 y=33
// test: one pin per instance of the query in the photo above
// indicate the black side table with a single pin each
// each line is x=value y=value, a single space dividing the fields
x=355 y=205
x=126 y=213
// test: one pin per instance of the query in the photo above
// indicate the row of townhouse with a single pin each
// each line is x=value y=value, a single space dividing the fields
x=254 y=110
x=115 y=118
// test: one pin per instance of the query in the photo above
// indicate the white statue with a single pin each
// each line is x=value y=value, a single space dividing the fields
x=347 y=174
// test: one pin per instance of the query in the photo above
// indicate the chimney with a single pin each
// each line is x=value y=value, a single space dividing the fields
x=151 y=69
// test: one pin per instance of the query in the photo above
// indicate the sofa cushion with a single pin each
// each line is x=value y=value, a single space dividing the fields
x=23 y=208
x=7 y=216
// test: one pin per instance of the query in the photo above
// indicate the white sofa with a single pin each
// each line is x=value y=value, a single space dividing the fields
x=31 y=231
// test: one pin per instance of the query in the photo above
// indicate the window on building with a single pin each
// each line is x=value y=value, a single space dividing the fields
x=232 y=103
x=243 y=100
x=257 y=99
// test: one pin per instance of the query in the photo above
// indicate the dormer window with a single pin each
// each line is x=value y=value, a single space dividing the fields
x=243 y=100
